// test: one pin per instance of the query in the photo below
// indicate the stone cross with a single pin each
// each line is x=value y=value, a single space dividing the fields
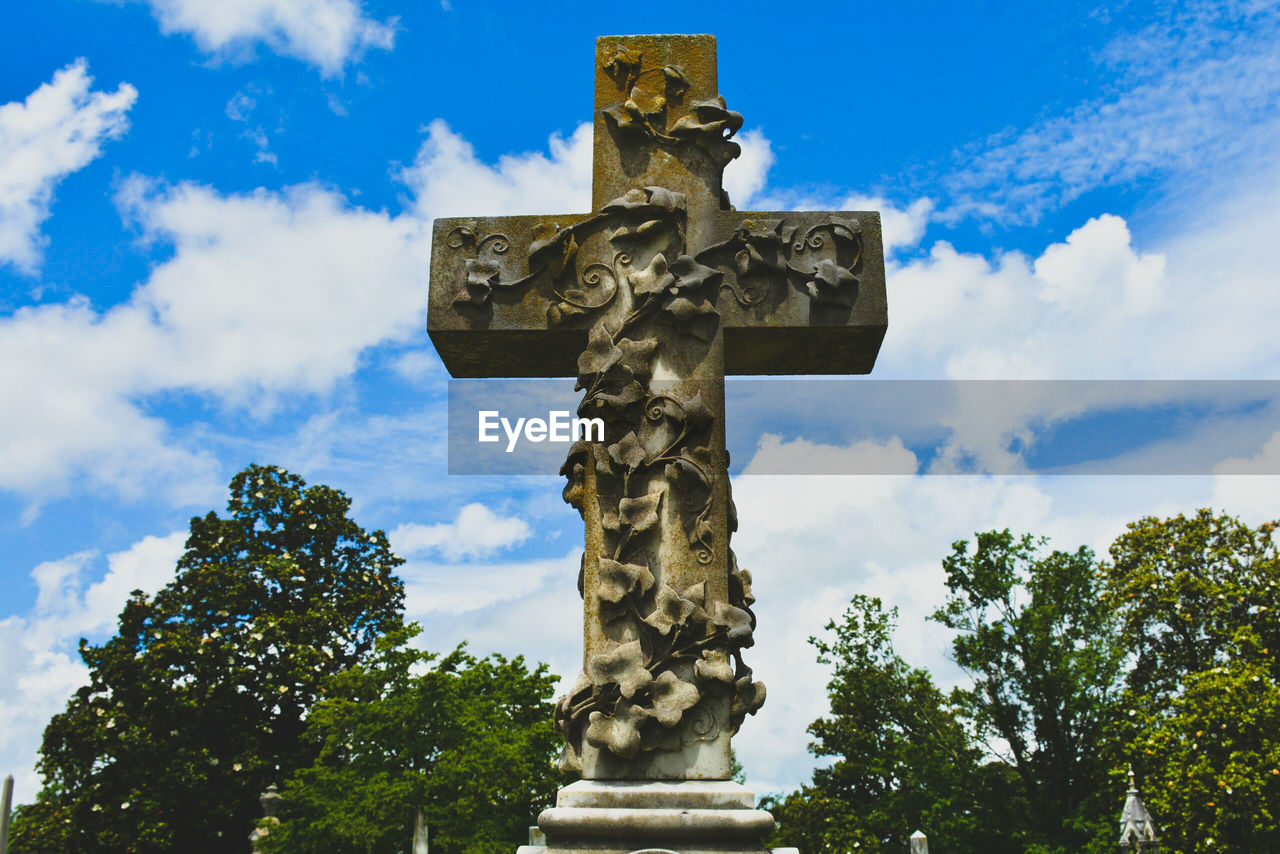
x=650 y=300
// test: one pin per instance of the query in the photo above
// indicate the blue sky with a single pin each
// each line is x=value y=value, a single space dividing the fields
x=214 y=233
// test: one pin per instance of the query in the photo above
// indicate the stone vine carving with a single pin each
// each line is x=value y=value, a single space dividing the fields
x=760 y=260
x=649 y=98
x=755 y=264
x=657 y=450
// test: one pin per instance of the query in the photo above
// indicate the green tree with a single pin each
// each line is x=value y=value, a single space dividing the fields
x=1043 y=649
x=1199 y=599
x=468 y=741
x=200 y=699
x=903 y=759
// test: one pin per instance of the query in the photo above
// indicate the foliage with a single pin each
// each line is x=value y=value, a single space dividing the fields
x=1043 y=649
x=1198 y=598
x=902 y=757
x=468 y=740
x=1164 y=656
x=200 y=699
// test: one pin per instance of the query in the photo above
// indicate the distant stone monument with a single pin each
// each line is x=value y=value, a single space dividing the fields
x=1137 y=829
x=270 y=802
x=650 y=301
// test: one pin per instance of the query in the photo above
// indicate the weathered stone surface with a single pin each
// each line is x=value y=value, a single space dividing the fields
x=632 y=815
x=649 y=301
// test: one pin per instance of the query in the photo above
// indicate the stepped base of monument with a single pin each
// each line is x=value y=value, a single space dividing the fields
x=687 y=816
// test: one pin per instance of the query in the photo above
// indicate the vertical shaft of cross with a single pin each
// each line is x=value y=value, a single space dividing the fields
x=672 y=172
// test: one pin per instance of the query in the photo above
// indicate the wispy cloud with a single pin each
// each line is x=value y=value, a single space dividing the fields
x=1195 y=92
x=476 y=532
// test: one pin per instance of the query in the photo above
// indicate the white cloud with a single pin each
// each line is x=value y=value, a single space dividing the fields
x=325 y=33
x=448 y=179
x=266 y=294
x=476 y=532
x=902 y=228
x=745 y=175
x=57 y=130
x=38 y=667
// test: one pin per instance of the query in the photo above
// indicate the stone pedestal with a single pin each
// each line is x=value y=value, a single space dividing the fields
x=688 y=817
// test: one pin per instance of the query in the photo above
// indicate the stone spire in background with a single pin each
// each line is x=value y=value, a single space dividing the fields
x=1137 y=830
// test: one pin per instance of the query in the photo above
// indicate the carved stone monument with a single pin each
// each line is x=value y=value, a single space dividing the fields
x=650 y=301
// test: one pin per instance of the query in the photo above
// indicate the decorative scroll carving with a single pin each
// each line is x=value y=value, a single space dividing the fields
x=760 y=260
x=657 y=452
x=651 y=96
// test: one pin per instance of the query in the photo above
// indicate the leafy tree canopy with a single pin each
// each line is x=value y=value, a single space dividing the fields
x=1199 y=602
x=1163 y=656
x=200 y=700
x=468 y=741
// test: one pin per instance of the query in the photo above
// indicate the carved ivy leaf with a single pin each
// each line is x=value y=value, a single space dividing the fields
x=645 y=103
x=690 y=472
x=624 y=63
x=740 y=587
x=561 y=312
x=696 y=319
x=635 y=357
x=736 y=622
x=623 y=665
x=627 y=234
x=709 y=117
x=695 y=593
x=628 y=452
x=832 y=284
x=714 y=666
x=671 y=696
x=599 y=356
x=553 y=248
x=748 y=697
x=631 y=393
x=625 y=119
x=581 y=688
x=652 y=279
x=609 y=519
x=689 y=275
x=659 y=738
x=710 y=126
x=574 y=469
x=677 y=83
x=654 y=201
x=477 y=286
x=618 y=733
x=696 y=412
x=619 y=579
x=640 y=514
x=670 y=609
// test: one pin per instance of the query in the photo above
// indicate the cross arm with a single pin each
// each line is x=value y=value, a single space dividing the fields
x=798 y=292
x=490 y=294
x=802 y=291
